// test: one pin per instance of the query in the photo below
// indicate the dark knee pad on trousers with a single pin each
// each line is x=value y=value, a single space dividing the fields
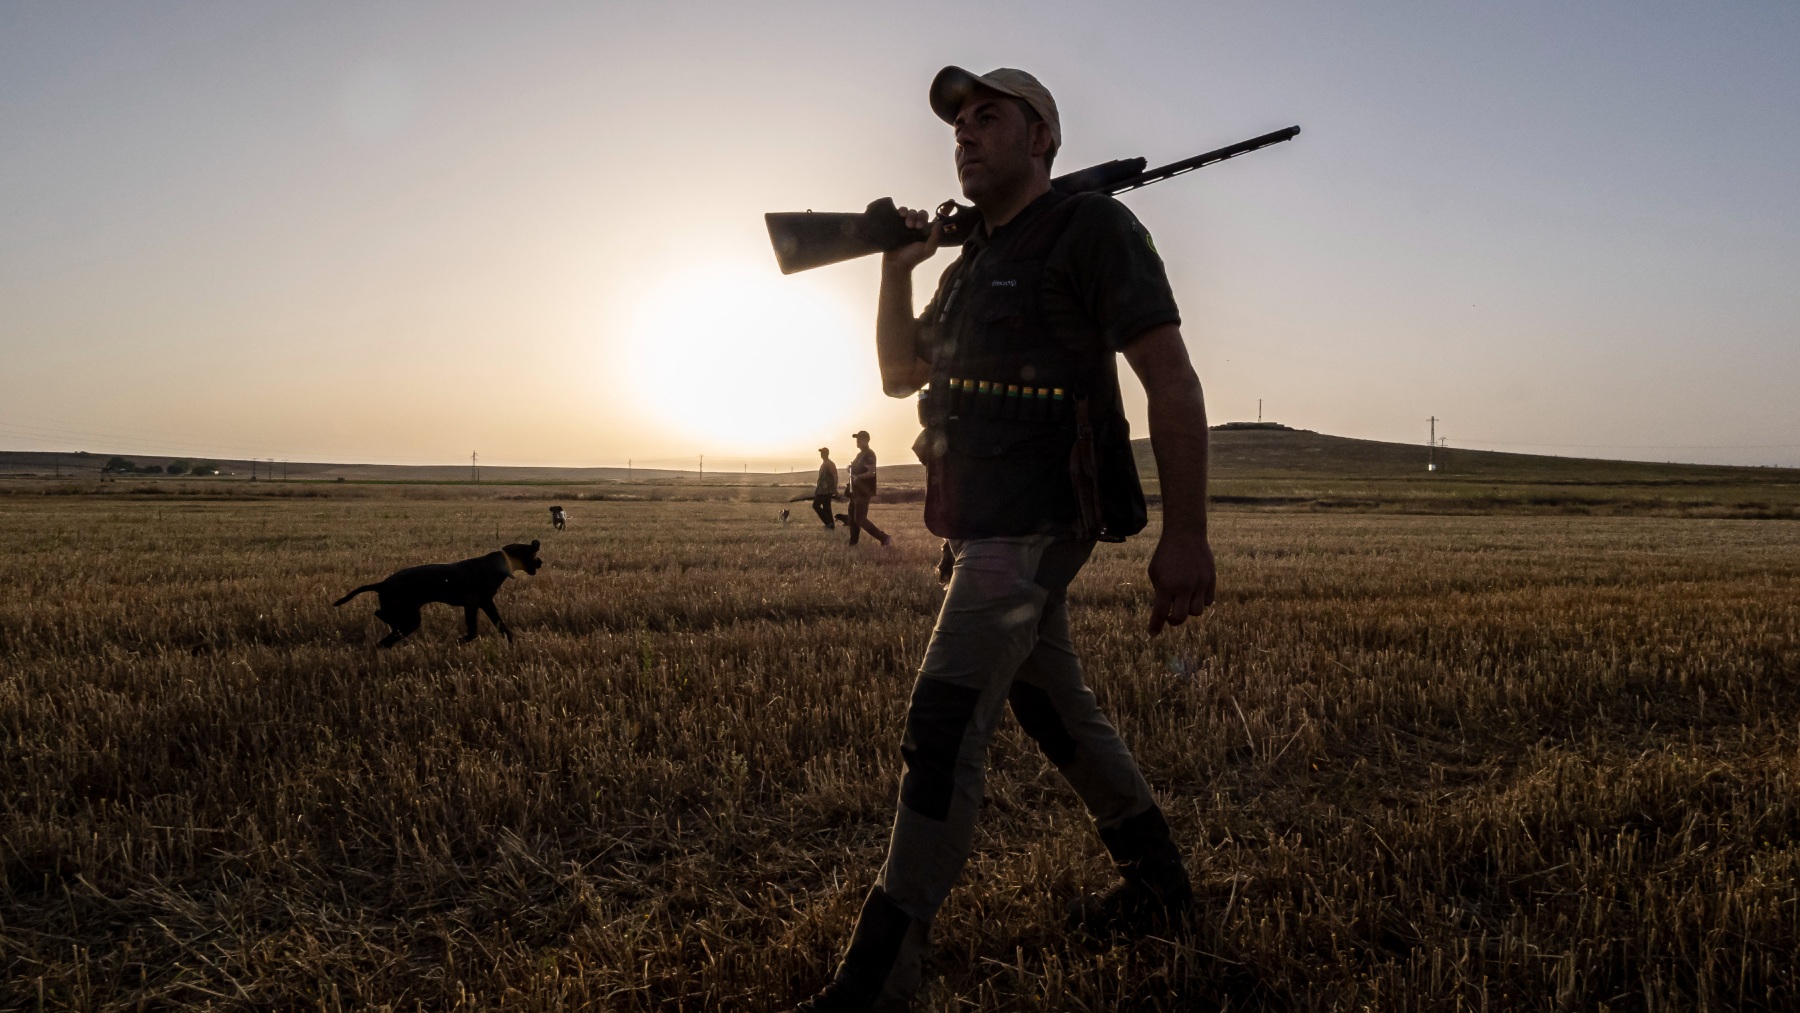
x=936 y=721
x=1037 y=714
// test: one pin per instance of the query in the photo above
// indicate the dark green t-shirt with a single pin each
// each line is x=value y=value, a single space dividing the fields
x=1103 y=280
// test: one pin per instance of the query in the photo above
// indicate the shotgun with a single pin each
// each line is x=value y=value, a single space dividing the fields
x=807 y=239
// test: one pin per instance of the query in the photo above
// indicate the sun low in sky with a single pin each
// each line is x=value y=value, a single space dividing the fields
x=401 y=232
x=732 y=355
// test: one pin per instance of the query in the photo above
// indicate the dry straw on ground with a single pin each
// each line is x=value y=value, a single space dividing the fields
x=1505 y=763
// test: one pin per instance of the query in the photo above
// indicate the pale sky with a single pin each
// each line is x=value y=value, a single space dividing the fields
x=400 y=233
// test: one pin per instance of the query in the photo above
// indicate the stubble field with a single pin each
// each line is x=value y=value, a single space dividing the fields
x=1416 y=762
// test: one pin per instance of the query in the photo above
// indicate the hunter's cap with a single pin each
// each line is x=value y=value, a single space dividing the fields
x=860 y=434
x=824 y=450
x=953 y=86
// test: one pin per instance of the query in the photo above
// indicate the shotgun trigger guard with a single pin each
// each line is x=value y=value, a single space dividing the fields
x=956 y=221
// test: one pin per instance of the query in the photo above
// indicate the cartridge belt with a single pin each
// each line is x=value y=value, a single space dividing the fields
x=993 y=400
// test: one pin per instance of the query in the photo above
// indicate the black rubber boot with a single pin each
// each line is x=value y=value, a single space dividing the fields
x=1155 y=893
x=881 y=930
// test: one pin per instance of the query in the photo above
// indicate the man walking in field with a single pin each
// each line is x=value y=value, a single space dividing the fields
x=862 y=491
x=825 y=488
x=1028 y=464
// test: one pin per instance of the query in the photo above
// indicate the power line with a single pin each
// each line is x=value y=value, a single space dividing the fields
x=151 y=445
x=66 y=432
x=1638 y=446
x=131 y=444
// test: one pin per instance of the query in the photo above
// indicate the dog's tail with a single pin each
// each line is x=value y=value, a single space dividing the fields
x=360 y=590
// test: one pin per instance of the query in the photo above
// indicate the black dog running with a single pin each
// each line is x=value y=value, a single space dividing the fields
x=471 y=583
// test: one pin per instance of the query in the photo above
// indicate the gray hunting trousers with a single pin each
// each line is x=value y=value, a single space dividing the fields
x=1002 y=637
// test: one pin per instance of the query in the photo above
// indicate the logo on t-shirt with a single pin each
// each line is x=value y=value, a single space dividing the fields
x=1006 y=283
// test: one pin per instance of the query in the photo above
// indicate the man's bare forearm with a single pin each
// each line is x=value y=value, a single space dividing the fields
x=1178 y=437
x=897 y=333
x=1177 y=426
x=1181 y=569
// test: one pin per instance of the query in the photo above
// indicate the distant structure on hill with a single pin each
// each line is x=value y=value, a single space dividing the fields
x=1231 y=426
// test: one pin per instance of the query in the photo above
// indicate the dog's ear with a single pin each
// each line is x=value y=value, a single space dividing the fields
x=534 y=545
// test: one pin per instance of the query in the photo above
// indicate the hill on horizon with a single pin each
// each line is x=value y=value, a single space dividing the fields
x=1254 y=466
x=1240 y=450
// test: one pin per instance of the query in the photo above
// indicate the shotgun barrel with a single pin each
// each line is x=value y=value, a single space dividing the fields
x=1174 y=169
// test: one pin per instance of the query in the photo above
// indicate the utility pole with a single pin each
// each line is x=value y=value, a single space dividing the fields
x=1431 y=455
x=474 y=476
x=1259 y=409
x=703 y=466
x=628 y=469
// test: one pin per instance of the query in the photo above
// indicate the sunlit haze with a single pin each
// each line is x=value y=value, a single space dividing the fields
x=405 y=233
x=730 y=357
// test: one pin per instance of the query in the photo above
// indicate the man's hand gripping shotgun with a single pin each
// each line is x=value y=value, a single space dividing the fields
x=809 y=239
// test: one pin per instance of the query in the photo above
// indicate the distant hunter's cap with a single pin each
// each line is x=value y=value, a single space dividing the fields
x=860 y=434
x=953 y=86
x=824 y=450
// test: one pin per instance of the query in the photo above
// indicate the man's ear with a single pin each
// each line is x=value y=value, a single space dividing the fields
x=1040 y=140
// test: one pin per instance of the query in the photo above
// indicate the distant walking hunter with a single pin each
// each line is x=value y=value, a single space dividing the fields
x=862 y=491
x=825 y=488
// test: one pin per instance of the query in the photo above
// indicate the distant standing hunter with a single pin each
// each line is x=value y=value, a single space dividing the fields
x=1028 y=463
x=862 y=491
x=825 y=488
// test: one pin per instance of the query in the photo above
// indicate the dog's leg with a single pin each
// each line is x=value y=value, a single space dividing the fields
x=469 y=614
x=494 y=614
x=403 y=623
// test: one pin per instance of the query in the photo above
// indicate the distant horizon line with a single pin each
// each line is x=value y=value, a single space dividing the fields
x=741 y=465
